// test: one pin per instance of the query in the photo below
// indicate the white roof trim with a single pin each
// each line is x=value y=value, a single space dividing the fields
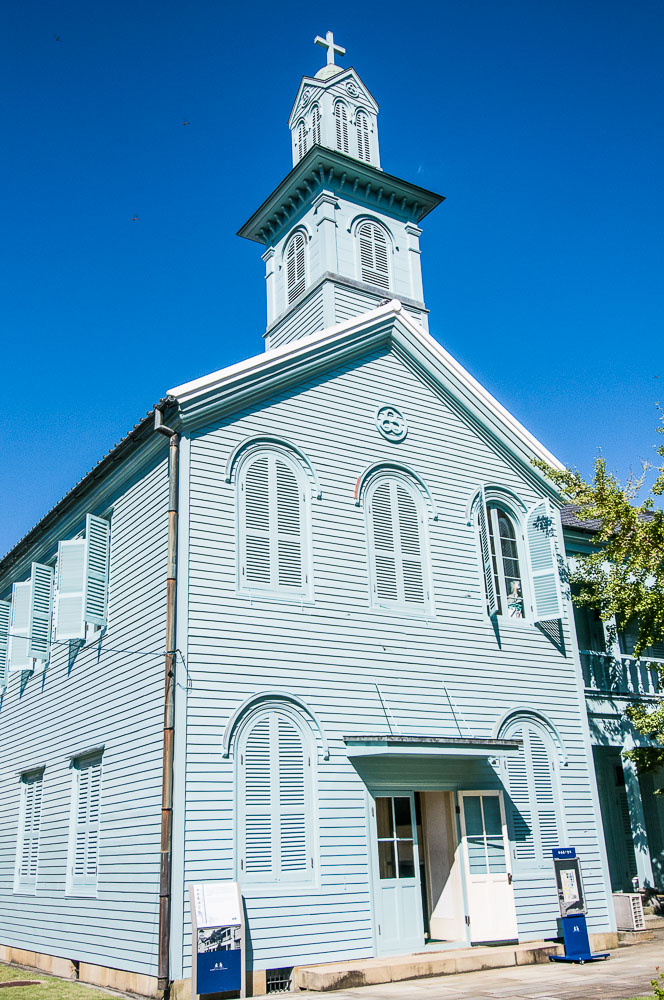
x=189 y=390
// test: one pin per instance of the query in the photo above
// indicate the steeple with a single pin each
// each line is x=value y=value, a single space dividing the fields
x=339 y=233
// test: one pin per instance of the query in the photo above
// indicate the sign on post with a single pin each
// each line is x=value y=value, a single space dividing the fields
x=217 y=925
x=571 y=897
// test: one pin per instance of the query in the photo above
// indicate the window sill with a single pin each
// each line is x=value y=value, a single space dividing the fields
x=400 y=612
x=81 y=894
x=25 y=890
x=253 y=596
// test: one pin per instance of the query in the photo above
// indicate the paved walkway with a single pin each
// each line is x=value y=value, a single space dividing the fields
x=627 y=973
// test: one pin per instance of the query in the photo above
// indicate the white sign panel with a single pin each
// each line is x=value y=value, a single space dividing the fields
x=217 y=904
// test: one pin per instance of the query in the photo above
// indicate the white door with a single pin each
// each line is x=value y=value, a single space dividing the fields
x=487 y=867
x=400 y=926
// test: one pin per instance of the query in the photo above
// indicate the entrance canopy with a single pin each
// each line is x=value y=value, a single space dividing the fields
x=430 y=746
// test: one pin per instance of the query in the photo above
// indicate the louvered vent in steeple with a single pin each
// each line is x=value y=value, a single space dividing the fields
x=295 y=267
x=374 y=259
x=363 y=144
x=341 y=117
x=315 y=125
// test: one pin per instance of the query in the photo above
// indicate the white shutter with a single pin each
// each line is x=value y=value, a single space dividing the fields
x=41 y=612
x=315 y=125
x=255 y=523
x=291 y=764
x=97 y=539
x=19 y=627
x=531 y=778
x=374 y=254
x=485 y=554
x=84 y=860
x=384 y=543
x=545 y=576
x=28 y=846
x=295 y=267
x=341 y=116
x=397 y=533
x=5 y=618
x=257 y=858
x=410 y=533
x=289 y=526
x=363 y=143
x=520 y=794
x=543 y=781
x=301 y=140
x=70 y=590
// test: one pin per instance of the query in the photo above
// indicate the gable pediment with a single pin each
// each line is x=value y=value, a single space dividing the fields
x=345 y=84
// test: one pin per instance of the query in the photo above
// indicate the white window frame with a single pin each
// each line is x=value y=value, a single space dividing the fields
x=76 y=886
x=26 y=884
x=273 y=591
x=278 y=884
x=410 y=609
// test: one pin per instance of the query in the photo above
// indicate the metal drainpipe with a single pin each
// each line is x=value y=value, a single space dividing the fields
x=164 y=980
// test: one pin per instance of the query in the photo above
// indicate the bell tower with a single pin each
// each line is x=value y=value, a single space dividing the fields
x=339 y=233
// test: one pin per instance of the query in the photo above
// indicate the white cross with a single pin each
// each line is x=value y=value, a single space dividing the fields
x=328 y=43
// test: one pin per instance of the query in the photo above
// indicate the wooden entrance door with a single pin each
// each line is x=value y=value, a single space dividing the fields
x=487 y=867
x=400 y=926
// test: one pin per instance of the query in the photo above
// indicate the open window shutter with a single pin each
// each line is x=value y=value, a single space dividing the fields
x=255 y=523
x=543 y=779
x=410 y=546
x=70 y=590
x=289 y=526
x=374 y=256
x=293 y=853
x=485 y=552
x=19 y=627
x=258 y=833
x=5 y=617
x=520 y=794
x=41 y=612
x=97 y=539
x=384 y=543
x=547 y=601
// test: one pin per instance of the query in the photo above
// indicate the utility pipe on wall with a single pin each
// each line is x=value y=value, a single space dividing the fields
x=166 y=860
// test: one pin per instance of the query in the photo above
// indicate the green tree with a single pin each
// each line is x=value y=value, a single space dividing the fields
x=624 y=578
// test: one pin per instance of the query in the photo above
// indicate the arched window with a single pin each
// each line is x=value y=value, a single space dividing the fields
x=363 y=144
x=295 y=267
x=374 y=254
x=301 y=140
x=275 y=798
x=273 y=525
x=397 y=545
x=500 y=549
x=533 y=784
x=341 y=116
x=315 y=125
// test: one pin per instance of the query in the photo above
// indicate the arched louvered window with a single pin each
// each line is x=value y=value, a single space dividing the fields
x=275 y=793
x=363 y=144
x=295 y=267
x=397 y=540
x=301 y=140
x=374 y=254
x=315 y=125
x=341 y=117
x=533 y=787
x=273 y=525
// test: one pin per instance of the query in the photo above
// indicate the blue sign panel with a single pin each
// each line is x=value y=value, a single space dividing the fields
x=564 y=852
x=219 y=971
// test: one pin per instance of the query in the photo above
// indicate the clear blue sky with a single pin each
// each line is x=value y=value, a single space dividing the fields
x=541 y=122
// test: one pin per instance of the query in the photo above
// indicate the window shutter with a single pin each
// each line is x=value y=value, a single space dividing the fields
x=41 y=612
x=382 y=521
x=543 y=779
x=522 y=821
x=485 y=553
x=341 y=116
x=97 y=539
x=295 y=269
x=70 y=589
x=545 y=577
x=293 y=853
x=5 y=617
x=19 y=627
x=315 y=125
x=257 y=855
x=409 y=521
x=374 y=258
x=256 y=528
x=28 y=858
x=289 y=527
x=363 y=143
x=301 y=140
x=85 y=860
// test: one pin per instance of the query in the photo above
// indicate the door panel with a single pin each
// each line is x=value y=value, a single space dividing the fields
x=398 y=896
x=486 y=861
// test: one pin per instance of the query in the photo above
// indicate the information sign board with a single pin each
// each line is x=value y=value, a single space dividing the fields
x=217 y=922
x=571 y=897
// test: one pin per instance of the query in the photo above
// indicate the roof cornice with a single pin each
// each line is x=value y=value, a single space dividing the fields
x=328 y=168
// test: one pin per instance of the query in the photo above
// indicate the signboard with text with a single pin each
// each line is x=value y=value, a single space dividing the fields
x=571 y=897
x=217 y=922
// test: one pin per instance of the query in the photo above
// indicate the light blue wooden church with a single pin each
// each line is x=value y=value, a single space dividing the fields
x=374 y=715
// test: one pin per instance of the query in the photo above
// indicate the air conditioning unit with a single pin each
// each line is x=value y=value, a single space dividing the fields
x=629 y=911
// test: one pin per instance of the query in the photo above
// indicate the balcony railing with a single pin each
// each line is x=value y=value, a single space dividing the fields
x=621 y=675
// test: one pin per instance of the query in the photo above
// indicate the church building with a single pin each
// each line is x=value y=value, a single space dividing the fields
x=305 y=628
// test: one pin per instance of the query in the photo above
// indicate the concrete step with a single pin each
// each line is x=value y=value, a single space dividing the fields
x=396 y=968
x=626 y=938
x=653 y=922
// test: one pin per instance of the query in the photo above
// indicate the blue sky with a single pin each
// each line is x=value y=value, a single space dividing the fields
x=540 y=122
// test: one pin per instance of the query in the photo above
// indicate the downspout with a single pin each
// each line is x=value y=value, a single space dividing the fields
x=166 y=860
